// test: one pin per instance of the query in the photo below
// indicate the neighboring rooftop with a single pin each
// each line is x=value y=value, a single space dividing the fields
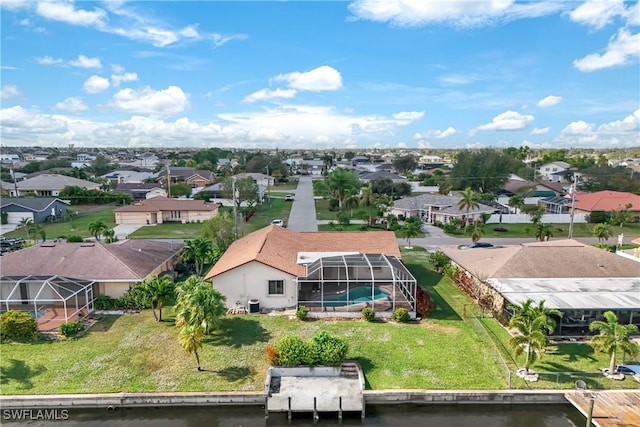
x=158 y=204
x=37 y=204
x=607 y=201
x=54 y=182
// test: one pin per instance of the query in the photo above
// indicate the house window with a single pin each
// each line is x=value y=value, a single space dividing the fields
x=175 y=214
x=276 y=287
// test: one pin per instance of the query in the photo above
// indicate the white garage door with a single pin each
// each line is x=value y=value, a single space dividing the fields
x=16 y=217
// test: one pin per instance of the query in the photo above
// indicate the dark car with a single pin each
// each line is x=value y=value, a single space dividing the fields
x=628 y=369
x=476 y=245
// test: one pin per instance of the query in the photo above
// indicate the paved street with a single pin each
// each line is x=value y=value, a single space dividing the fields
x=303 y=212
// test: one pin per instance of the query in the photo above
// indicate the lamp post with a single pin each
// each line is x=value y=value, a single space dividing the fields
x=573 y=206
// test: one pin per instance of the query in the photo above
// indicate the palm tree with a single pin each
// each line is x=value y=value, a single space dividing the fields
x=351 y=202
x=367 y=198
x=477 y=233
x=24 y=223
x=613 y=336
x=516 y=201
x=158 y=290
x=199 y=304
x=96 y=228
x=533 y=324
x=341 y=182
x=468 y=201
x=602 y=231
x=197 y=251
x=191 y=341
x=409 y=230
x=109 y=235
x=543 y=231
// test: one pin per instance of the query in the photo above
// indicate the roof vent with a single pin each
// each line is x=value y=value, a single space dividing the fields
x=87 y=245
x=600 y=265
x=48 y=245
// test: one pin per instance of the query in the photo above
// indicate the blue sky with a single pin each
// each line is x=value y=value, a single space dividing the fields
x=324 y=74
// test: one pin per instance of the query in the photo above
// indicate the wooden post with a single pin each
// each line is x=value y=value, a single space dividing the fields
x=590 y=413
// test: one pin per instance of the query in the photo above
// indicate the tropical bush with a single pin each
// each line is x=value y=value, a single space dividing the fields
x=71 y=329
x=324 y=349
x=105 y=302
x=302 y=312
x=400 y=315
x=440 y=261
x=424 y=305
x=291 y=351
x=368 y=314
x=17 y=325
x=271 y=355
x=74 y=238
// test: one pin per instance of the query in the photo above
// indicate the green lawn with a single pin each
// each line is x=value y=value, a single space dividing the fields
x=323 y=212
x=284 y=186
x=559 y=230
x=168 y=231
x=79 y=225
x=354 y=227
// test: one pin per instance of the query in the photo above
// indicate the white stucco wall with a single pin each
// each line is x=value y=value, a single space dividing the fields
x=251 y=281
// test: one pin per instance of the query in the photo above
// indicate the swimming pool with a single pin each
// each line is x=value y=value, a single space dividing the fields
x=354 y=296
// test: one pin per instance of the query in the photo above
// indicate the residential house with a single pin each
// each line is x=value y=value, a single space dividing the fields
x=129 y=177
x=433 y=208
x=607 y=201
x=313 y=167
x=159 y=210
x=327 y=272
x=142 y=191
x=580 y=280
x=554 y=171
x=368 y=176
x=50 y=185
x=36 y=209
x=58 y=282
x=196 y=178
x=259 y=178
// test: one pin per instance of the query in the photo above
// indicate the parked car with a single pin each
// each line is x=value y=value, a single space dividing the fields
x=288 y=198
x=277 y=222
x=8 y=245
x=475 y=245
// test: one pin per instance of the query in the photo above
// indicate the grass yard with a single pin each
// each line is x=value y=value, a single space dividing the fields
x=168 y=231
x=323 y=212
x=355 y=227
x=79 y=225
x=559 y=230
x=285 y=186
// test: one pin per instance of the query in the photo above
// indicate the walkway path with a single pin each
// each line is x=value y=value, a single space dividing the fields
x=303 y=212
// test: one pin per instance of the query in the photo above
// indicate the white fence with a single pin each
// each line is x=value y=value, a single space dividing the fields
x=521 y=218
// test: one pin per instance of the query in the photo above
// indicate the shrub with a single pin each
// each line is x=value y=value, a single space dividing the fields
x=271 y=355
x=330 y=350
x=368 y=314
x=424 y=305
x=71 y=329
x=4 y=218
x=334 y=204
x=363 y=227
x=449 y=228
x=105 y=302
x=344 y=218
x=73 y=238
x=291 y=350
x=439 y=260
x=597 y=217
x=16 y=325
x=500 y=229
x=302 y=312
x=400 y=315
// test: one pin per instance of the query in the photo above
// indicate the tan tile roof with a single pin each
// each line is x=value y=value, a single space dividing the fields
x=158 y=204
x=552 y=259
x=125 y=260
x=278 y=247
x=606 y=201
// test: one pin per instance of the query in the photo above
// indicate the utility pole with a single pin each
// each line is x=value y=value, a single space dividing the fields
x=15 y=182
x=573 y=205
x=168 y=182
x=268 y=189
x=235 y=211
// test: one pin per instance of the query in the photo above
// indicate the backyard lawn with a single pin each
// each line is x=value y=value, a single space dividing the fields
x=559 y=230
x=133 y=353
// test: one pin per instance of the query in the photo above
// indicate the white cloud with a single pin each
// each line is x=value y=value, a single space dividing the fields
x=436 y=134
x=96 y=84
x=458 y=79
x=540 y=131
x=9 y=91
x=579 y=127
x=457 y=13
x=85 y=62
x=71 y=104
x=266 y=94
x=318 y=79
x=509 y=120
x=15 y=4
x=47 y=60
x=409 y=115
x=66 y=12
x=549 y=101
x=621 y=50
x=116 y=79
x=169 y=101
x=597 y=13
x=630 y=124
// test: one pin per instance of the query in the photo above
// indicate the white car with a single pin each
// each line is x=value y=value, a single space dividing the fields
x=277 y=222
x=288 y=198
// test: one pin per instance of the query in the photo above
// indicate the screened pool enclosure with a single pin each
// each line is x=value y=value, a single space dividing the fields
x=348 y=283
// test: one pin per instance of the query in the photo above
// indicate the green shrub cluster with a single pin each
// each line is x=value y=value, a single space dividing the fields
x=17 y=325
x=400 y=315
x=74 y=238
x=302 y=312
x=71 y=329
x=133 y=299
x=368 y=314
x=321 y=349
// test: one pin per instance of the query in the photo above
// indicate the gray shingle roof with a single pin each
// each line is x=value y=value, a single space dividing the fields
x=36 y=204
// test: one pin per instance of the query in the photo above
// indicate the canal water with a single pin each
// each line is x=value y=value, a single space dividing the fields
x=488 y=415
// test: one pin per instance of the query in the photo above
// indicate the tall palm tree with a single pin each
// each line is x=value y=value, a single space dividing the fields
x=613 y=336
x=197 y=251
x=367 y=198
x=533 y=324
x=191 y=337
x=96 y=228
x=24 y=223
x=516 y=201
x=602 y=231
x=199 y=304
x=468 y=201
x=352 y=201
x=477 y=233
x=409 y=230
x=158 y=290
x=543 y=231
x=109 y=235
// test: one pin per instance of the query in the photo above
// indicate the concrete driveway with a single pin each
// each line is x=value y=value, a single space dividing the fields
x=6 y=228
x=303 y=212
x=122 y=231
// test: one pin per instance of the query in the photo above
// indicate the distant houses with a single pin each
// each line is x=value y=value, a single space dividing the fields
x=49 y=185
x=159 y=210
x=36 y=209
